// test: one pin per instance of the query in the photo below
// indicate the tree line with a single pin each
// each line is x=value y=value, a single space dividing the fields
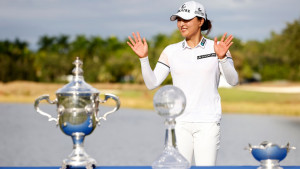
x=111 y=60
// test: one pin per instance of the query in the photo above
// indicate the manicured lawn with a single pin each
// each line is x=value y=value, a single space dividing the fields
x=234 y=100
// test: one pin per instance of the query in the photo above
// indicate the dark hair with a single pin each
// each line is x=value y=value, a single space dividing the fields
x=206 y=25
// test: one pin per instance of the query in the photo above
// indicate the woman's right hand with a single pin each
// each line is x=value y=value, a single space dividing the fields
x=138 y=46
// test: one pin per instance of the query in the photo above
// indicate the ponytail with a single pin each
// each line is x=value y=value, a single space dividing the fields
x=206 y=26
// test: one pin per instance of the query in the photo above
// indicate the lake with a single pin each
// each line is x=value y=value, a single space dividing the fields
x=132 y=137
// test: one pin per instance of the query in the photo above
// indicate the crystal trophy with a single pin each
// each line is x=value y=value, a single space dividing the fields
x=169 y=102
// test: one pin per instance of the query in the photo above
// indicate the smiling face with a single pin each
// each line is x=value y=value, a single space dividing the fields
x=190 y=28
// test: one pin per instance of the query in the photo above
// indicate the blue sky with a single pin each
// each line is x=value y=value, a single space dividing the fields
x=246 y=19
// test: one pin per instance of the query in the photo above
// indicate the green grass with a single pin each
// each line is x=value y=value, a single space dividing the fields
x=235 y=100
x=237 y=95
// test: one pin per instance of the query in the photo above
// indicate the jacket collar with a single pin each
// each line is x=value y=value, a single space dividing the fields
x=201 y=44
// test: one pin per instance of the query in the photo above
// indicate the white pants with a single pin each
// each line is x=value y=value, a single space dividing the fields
x=200 y=139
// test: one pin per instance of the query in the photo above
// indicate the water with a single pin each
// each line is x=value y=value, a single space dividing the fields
x=131 y=137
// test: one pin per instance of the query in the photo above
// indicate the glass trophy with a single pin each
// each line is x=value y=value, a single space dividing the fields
x=169 y=102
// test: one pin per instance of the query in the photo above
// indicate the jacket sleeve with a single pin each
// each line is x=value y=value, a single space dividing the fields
x=154 y=78
x=227 y=69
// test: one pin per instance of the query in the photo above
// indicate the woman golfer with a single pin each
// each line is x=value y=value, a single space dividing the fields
x=195 y=65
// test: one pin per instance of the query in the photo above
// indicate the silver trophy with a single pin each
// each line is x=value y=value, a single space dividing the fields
x=77 y=114
x=169 y=101
x=269 y=155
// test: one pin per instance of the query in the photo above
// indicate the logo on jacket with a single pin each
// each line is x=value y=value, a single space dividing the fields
x=203 y=41
x=206 y=56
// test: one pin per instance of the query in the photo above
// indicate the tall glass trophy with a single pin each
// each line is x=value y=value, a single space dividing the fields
x=169 y=102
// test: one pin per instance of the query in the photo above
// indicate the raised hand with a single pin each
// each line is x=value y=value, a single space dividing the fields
x=139 y=47
x=223 y=46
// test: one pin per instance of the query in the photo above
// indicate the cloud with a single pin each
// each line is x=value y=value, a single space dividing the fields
x=31 y=19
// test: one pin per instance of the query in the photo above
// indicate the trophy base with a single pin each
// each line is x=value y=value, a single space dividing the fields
x=79 y=159
x=269 y=164
x=170 y=159
x=87 y=163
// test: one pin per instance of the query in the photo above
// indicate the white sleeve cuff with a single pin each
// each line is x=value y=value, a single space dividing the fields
x=144 y=59
x=223 y=60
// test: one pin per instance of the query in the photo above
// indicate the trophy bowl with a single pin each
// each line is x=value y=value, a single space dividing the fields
x=169 y=102
x=77 y=114
x=269 y=154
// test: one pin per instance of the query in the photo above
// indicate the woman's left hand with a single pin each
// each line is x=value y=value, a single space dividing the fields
x=222 y=47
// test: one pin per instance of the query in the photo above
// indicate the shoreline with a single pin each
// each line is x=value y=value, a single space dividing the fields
x=255 y=98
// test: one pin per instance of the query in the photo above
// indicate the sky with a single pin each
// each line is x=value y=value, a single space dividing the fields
x=28 y=20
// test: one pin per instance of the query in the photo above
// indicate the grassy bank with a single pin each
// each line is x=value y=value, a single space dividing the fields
x=234 y=100
x=242 y=101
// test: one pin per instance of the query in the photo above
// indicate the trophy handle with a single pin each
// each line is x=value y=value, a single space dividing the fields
x=249 y=148
x=289 y=147
x=36 y=106
x=116 y=99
